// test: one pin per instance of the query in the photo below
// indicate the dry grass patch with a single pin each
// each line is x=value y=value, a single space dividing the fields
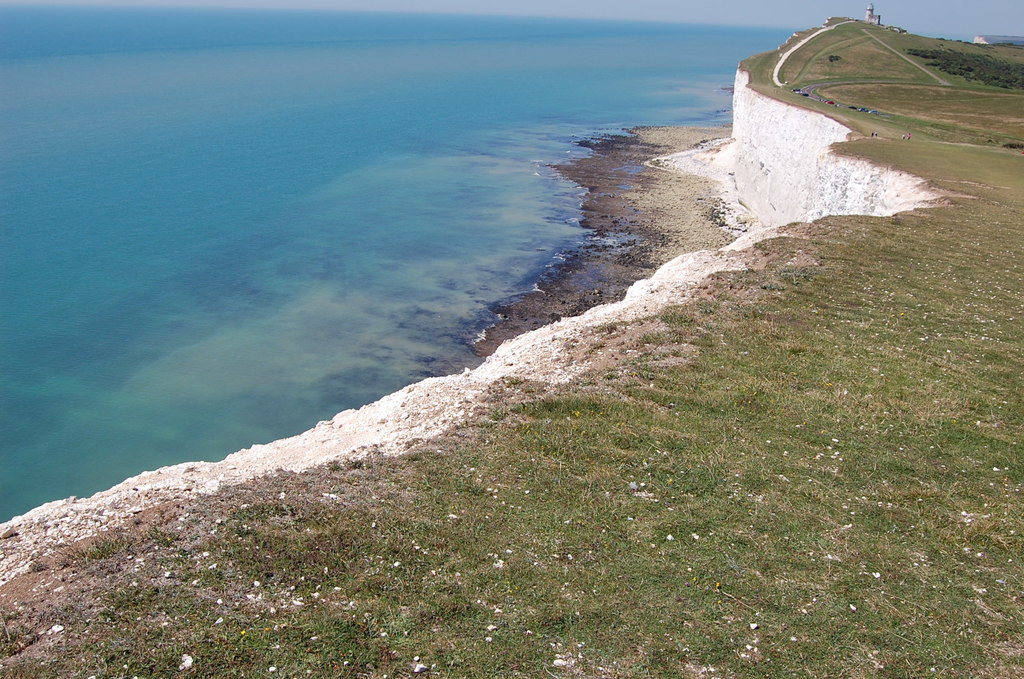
x=993 y=113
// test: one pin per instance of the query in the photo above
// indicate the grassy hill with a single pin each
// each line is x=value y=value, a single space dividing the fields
x=872 y=67
x=815 y=469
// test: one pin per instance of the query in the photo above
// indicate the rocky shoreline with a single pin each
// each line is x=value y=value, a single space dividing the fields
x=629 y=234
x=669 y=214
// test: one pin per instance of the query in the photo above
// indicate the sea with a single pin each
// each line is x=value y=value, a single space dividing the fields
x=218 y=227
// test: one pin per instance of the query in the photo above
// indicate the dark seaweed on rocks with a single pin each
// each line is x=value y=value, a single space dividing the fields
x=615 y=252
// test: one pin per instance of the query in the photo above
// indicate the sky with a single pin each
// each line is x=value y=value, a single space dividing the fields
x=938 y=18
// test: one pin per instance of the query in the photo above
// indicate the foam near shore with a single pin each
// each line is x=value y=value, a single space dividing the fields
x=434 y=406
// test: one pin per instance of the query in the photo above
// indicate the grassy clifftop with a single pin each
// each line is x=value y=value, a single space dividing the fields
x=813 y=469
x=864 y=66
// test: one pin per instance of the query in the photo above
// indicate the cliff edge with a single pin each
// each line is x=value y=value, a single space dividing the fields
x=780 y=166
x=786 y=169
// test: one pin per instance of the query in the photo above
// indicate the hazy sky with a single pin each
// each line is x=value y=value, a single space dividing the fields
x=941 y=18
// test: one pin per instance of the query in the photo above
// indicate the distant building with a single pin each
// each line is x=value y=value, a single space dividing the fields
x=998 y=39
x=871 y=17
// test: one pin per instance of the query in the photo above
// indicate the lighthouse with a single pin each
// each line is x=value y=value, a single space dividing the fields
x=871 y=17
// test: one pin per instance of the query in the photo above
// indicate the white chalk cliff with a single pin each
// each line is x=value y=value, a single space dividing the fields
x=786 y=171
x=780 y=166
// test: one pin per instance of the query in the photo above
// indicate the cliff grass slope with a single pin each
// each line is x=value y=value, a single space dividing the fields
x=812 y=468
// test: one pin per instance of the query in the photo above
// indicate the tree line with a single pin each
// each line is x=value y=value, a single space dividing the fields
x=981 y=67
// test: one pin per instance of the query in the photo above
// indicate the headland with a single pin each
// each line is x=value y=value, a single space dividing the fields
x=752 y=184
x=803 y=440
x=657 y=203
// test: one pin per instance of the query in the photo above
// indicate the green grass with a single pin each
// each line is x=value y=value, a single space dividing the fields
x=855 y=47
x=830 y=486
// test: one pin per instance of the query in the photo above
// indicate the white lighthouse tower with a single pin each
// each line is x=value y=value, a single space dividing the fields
x=871 y=17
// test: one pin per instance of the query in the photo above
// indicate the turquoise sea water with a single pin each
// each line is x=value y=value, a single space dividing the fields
x=217 y=228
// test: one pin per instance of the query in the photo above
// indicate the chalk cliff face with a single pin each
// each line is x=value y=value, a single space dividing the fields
x=785 y=170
